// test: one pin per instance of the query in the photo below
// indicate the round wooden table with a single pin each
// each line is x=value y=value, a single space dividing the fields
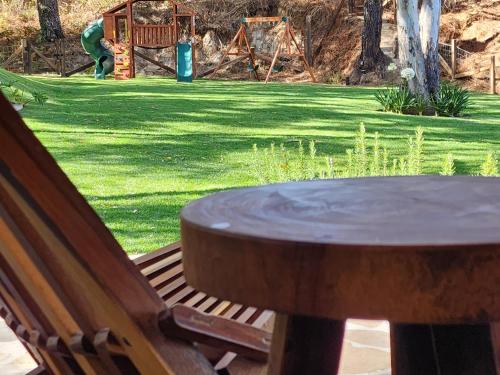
x=421 y=252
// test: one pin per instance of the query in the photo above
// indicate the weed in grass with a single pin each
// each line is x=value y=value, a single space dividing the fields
x=394 y=169
x=375 y=163
x=349 y=171
x=448 y=167
x=385 y=163
x=357 y=160
x=489 y=166
x=330 y=171
x=270 y=166
x=360 y=152
x=415 y=152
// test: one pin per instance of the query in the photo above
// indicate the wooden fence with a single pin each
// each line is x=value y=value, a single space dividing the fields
x=59 y=57
x=452 y=59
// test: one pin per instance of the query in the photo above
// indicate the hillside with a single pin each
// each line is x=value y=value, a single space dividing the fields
x=336 y=34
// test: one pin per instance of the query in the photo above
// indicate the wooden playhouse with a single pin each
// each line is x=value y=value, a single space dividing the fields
x=125 y=32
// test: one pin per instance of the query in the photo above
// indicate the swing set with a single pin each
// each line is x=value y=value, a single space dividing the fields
x=125 y=33
x=240 y=47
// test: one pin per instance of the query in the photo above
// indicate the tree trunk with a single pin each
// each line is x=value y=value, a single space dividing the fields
x=371 y=53
x=50 y=23
x=410 y=46
x=430 y=14
x=371 y=59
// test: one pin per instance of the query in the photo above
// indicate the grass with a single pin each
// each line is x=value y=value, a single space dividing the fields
x=139 y=150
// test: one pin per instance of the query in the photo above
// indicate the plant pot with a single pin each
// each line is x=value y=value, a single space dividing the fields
x=17 y=107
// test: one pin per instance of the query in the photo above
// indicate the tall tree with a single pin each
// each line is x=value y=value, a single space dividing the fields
x=418 y=43
x=50 y=22
x=371 y=59
x=430 y=14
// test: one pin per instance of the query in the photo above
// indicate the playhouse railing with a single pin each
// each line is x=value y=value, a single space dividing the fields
x=154 y=36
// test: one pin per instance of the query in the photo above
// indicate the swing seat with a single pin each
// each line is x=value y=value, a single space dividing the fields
x=251 y=69
x=277 y=68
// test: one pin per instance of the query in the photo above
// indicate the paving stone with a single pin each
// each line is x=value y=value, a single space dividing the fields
x=366 y=350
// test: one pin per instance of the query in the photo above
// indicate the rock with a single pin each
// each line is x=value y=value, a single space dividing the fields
x=210 y=47
x=482 y=31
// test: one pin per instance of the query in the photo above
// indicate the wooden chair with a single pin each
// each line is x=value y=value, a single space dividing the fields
x=78 y=303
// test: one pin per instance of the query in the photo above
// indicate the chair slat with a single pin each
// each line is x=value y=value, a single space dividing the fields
x=169 y=288
x=68 y=286
x=155 y=267
x=169 y=275
x=150 y=258
x=179 y=295
x=211 y=301
x=195 y=299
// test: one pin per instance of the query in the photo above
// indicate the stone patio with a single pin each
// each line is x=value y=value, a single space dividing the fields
x=366 y=350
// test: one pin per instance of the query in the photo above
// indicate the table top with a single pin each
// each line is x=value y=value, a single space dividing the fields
x=427 y=234
x=373 y=211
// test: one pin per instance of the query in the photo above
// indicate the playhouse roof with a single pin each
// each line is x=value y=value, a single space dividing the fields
x=185 y=8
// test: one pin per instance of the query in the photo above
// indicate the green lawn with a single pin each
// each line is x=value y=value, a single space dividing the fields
x=139 y=150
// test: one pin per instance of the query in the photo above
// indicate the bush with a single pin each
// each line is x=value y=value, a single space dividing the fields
x=279 y=164
x=448 y=166
x=39 y=97
x=451 y=100
x=396 y=99
x=489 y=166
x=270 y=165
x=19 y=96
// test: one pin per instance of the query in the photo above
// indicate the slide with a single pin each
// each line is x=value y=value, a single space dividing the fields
x=91 y=42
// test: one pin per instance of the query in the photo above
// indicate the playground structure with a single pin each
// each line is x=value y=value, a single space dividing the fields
x=91 y=43
x=125 y=33
x=286 y=47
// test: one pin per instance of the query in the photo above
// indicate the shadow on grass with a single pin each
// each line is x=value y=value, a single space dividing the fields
x=141 y=149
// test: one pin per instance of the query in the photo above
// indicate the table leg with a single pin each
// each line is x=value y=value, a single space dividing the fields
x=443 y=350
x=303 y=345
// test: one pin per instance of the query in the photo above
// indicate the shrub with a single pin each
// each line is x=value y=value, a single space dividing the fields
x=451 y=100
x=386 y=98
x=420 y=105
x=448 y=167
x=271 y=165
x=396 y=99
x=19 y=96
x=39 y=97
x=415 y=152
x=360 y=152
x=336 y=78
x=489 y=166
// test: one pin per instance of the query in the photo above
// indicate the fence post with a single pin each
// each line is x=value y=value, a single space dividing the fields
x=26 y=56
x=309 y=48
x=395 y=12
x=493 y=78
x=453 y=58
